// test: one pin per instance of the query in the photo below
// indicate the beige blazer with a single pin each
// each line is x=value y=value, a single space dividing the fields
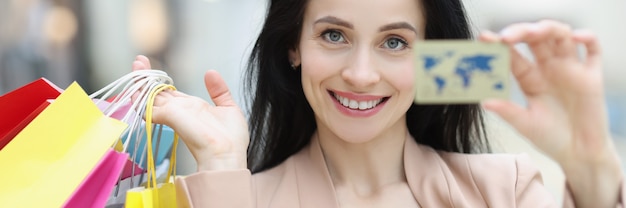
x=436 y=179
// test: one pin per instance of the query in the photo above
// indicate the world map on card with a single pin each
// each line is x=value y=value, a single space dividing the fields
x=460 y=71
x=464 y=69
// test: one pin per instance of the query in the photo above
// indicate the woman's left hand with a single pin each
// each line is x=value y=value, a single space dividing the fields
x=565 y=116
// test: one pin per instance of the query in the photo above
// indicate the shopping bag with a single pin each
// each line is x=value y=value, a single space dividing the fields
x=114 y=100
x=128 y=170
x=154 y=195
x=55 y=152
x=96 y=188
x=135 y=84
x=22 y=105
x=163 y=145
x=118 y=196
x=119 y=114
x=118 y=106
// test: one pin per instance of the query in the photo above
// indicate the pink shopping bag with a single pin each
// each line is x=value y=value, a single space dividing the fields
x=96 y=188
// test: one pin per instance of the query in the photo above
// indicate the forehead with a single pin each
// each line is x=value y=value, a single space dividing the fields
x=367 y=12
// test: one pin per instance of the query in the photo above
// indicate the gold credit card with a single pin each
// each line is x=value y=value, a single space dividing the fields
x=461 y=71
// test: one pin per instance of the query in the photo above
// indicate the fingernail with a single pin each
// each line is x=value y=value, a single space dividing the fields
x=534 y=27
x=489 y=32
x=488 y=103
x=506 y=32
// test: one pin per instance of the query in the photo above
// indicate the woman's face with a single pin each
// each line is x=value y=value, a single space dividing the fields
x=357 y=64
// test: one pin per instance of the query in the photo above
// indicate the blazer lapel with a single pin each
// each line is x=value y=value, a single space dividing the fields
x=314 y=185
x=426 y=175
x=425 y=171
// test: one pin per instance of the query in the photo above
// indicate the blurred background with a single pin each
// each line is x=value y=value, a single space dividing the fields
x=95 y=42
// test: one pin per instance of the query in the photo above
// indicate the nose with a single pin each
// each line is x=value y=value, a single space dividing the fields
x=361 y=73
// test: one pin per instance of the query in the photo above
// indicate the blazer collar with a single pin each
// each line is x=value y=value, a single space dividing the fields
x=426 y=175
x=422 y=165
x=315 y=187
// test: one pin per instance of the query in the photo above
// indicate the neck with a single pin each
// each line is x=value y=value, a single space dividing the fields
x=365 y=167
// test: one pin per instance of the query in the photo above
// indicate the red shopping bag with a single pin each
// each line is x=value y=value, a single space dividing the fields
x=96 y=188
x=22 y=105
x=47 y=161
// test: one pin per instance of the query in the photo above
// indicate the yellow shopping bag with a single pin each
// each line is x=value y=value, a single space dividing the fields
x=154 y=195
x=53 y=154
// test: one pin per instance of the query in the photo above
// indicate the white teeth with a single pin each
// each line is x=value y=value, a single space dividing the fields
x=354 y=104
x=345 y=101
x=364 y=105
x=361 y=105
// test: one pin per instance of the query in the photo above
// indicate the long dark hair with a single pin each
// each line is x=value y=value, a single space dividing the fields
x=281 y=120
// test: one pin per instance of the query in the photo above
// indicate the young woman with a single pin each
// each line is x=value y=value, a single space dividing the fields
x=333 y=122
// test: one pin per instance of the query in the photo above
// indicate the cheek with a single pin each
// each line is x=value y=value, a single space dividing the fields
x=406 y=80
x=402 y=78
x=403 y=81
x=316 y=67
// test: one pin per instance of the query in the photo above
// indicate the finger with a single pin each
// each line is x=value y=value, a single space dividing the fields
x=528 y=33
x=143 y=59
x=162 y=98
x=159 y=115
x=560 y=35
x=217 y=88
x=141 y=62
x=138 y=65
x=176 y=93
x=519 y=32
x=489 y=37
x=565 y=46
x=532 y=32
x=134 y=97
x=593 y=57
x=546 y=39
x=540 y=42
x=525 y=72
x=512 y=113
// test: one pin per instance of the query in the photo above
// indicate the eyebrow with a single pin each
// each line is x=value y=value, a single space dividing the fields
x=397 y=25
x=393 y=26
x=334 y=21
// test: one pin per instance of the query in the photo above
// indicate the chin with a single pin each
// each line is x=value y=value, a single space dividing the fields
x=356 y=136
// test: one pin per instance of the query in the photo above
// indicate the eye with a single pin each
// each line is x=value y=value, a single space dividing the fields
x=395 y=44
x=333 y=36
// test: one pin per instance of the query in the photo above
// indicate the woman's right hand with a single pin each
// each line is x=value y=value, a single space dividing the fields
x=217 y=136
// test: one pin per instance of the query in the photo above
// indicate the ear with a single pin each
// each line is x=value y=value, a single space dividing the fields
x=294 y=57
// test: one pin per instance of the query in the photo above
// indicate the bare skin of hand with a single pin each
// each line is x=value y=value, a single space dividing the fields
x=216 y=135
x=565 y=116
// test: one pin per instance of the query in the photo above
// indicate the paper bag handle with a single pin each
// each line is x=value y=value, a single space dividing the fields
x=150 y=160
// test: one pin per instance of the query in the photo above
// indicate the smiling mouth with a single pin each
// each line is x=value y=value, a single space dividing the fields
x=358 y=105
